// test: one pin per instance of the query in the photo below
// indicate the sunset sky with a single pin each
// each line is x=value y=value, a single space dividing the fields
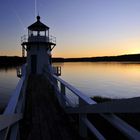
x=83 y=28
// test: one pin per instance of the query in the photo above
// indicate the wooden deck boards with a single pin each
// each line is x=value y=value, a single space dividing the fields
x=43 y=120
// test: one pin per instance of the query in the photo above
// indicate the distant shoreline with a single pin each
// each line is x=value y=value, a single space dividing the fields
x=119 y=58
x=11 y=61
x=7 y=61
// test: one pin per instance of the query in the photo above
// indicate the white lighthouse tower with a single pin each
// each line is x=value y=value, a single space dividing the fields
x=38 y=45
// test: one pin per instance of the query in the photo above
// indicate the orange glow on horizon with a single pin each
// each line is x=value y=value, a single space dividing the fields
x=88 y=53
x=96 y=53
x=10 y=53
x=110 y=48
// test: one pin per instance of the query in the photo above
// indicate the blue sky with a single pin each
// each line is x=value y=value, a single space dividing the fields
x=82 y=27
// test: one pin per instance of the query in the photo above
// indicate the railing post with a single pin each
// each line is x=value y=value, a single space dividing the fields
x=63 y=92
x=57 y=70
x=14 y=135
x=82 y=116
x=4 y=134
x=52 y=79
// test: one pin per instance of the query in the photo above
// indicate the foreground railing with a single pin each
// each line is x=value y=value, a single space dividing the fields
x=9 y=120
x=85 y=105
x=57 y=71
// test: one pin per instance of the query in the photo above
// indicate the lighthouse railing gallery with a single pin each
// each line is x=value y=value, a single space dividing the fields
x=9 y=126
x=84 y=105
x=40 y=38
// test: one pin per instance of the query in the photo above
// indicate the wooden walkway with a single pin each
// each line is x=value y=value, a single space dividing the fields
x=43 y=119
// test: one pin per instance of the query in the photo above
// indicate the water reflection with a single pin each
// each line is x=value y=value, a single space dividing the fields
x=6 y=69
x=116 y=80
x=8 y=82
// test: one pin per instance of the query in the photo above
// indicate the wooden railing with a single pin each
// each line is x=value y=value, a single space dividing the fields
x=85 y=105
x=9 y=126
x=19 y=73
x=57 y=71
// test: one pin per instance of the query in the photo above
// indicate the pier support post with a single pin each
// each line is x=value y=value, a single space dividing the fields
x=82 y=126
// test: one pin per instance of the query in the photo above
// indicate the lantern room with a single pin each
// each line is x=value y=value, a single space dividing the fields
x=38 y=31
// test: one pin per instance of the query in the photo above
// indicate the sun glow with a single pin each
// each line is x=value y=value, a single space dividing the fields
x=107 y=48
x=10 y=53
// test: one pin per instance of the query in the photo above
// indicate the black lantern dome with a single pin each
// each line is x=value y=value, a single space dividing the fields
x=38 y=26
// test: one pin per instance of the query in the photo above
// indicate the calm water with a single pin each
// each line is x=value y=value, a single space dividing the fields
x=8 y=82
x=115 y=80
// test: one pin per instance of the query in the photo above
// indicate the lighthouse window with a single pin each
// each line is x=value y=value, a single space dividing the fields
x=42 y=33
x=34 y=33
x=30 y=33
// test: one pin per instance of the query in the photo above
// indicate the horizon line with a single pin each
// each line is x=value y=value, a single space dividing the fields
x=77 y=57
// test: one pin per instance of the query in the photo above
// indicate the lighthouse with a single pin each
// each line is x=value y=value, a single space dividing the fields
x=38 y=45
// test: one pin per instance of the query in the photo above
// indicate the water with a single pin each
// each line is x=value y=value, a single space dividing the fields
x=113 y=80
x=8 y=82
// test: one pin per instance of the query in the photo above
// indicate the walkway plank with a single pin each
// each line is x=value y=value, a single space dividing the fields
x=43 y=119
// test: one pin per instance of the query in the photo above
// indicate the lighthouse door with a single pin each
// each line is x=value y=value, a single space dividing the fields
x=33 y=64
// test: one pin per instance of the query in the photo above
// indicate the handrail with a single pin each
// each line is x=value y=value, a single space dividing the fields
x=24 y=38
x=93 y=129
x=7 y=120
x=50 y=39
x=84 y=102
x=116 y=106
x=83 y=99
x=77 y=92
x=122 y=126
x=14 y=99
x=13 y=112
